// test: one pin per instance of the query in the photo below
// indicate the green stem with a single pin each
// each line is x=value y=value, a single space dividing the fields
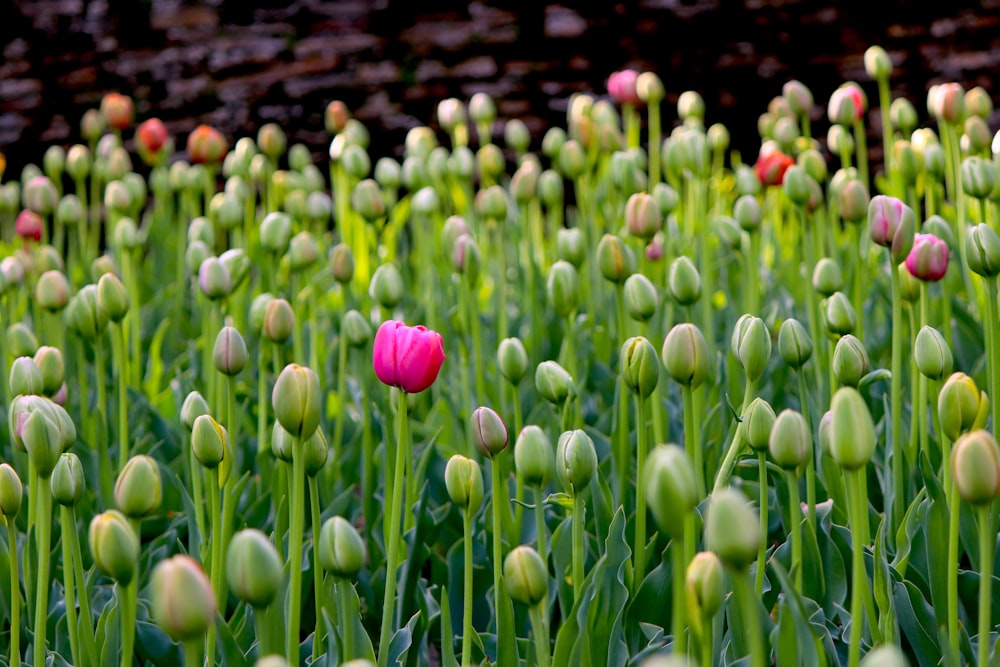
x=262 y=402
x=467 y=590
x=536 y=613
x=987 y=541
x=346 y=619
x=953 y=522
x=859 y=578
x=121 y=375
x=296 y=520
x=104 y=461
x=578 y=550
x=127 y=596
x=861 y=143
x=762 y=551
x=540 y=529
x=338 y=429
x=215 y=571
x=43 y=527
x=519 y=480
x=677 y=549
x=811 y=465
x=392 y=557
x=747 y=601
x=69 y=587
x=884 y=102
x=87 y=637
x=795 y=508
x=192 y=653
x=319 y=633
x=735 y=445
x=15 y=595
x=690 y=443
x=640 y=492
x=898 y=486
x=993 y=332
x=653 y=113
x=497 y=506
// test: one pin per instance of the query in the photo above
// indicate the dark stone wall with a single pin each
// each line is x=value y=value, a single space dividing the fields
x=239 y=63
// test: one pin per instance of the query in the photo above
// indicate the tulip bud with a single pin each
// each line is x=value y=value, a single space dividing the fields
x=685 y=355
x=853 y=201
x=670 y=488
x=112 y=297
x=977 y=133
x=794 y=343
x=703 y=587
x=464 y=480
x=49 y=361
x=253 y=568
x=488 y=432
x=193 y=407
x=275 y=232
x=753 y=349
x=209 y=441
x=279 y=661
x=11 y=492
x=196 y=254
x=838 y=314
x=367 y=199
x=21 y=342
x=887 y=655
x=982 y=246
x=852 y=431
x=524 y=183
x=183 y=604
x=758 y=422
x=315 y=452
x=68 y=485
x=878 y=65
x=356 y=329
x=576 y=460
x=214 y=279
x=296 y=400
x=512 y=360
x=946 y=102
x=979 y=177
x=891 y=224
x=552 y=382
x=850 y=361
x=975 y=462
x=386 y=286
x=570 y=246
x=526 y=576
x=643 y=216
x=282 y=443
x=732 y=529
x=533 y=456
x=684 y=281
x=230 y=352
x=640 y=367
x=928 y=260
x=52 y=291
x=563 y=288
x=466 y=258
x=115 y=548
x=790 y=442
x=958 y=405
x=640 y=297
x=341 y=549
x=206 y=145
x=26 y=378
x=932 y=354
x=138 y=491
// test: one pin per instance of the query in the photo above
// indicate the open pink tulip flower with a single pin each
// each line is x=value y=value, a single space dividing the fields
x=407 y=357
x=928 y=260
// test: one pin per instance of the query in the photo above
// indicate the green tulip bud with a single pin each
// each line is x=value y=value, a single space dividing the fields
x=640 y=367
x=643 y=216
x=703 y=588
x=641 y=298
x=552 y=382
x=758 y=422
x=903 y=115
x=516 y=135
x=978 y=102
x=747 y=211
x=853 y=201
x=572 y=159
x=975 y=462
x=959 y=404
x=576 y=460
x=21 y=342
x=932 y=354
x=275 y=232
x=563 y=288
x=279 y=661
x=230 y=352
x=729 y=232
x=356 y=162
x=838 y=314
x=732 y=529
x=52 y=291
x=237 y=264
x=253 y=568
x=26 y=378
x=115 y=548
x=570 y=246
x=512 y=360
x=296 y=400
x=367 y=199
x=491 y=203
x=341 y=549
x=553 y=140
x=138 y=491
x=462 y=163
x=685 y=355
x=356 y=329
x=315 y=452
x=303 y=252
x=666 y=197
x=533 y=456
x=877 y=63
x=214 y=279
x=78 y=162
x=814 y=164
x=11 y=491
x=482 y=109
x=196 y=254
x=747 y=182
x=193 y=407
x=68 y=485
x=454 y=227
x=794 y=343
x=183 y=604
x=850 y=361
x=982 y=246
x=887 y=655
x=977 y=132
x=386 y=286
x=670 y=488
x=979 y=177
x=112 y=297
x=526 y=577
x=615 y=259
x=282 y=443
x=684 y=281
x=754 y=348
x=799 y=97
x=488 y=432
x=127 y=235
x=852 y=431
x=258 y=309
x=209 y=441
x=279 y=322
x=790 y=442
x=690 y=104
x=649 y=87
x=466 y=258
x=342 y=263
x=524 y=182
x=934 y=161
x=464 y=480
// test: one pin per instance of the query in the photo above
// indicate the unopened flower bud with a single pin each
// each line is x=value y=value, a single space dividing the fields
x=516 y=135
x=684 y=281
x=640 y=297
x=209 y=441
x=464 y=481
x=512 y=360
x=112 y=297
x=572 y=159
x=932 y=354
x=115 y=548
x=685 y=355
x=703 y=587
x=758 y=421
x=753 y=348
x=183 y=604
x=193 y=407
x=928 y=260
x=230 y=352
x=576 y=460
x=11 y=492
x=975 y=462
x=489 y=433
x=839 y=315
x=791 y=442
x=570 y=246
x=214 y=279
x=615 y=259
x=670 y=488
x=959 y=404
x=356 y=329
x=643 y=216
x=68 y=485
x=979 y=177
x=552 y=382
x=878 y=65
x=26 y=378
x=466 y=258
x=138 y=491
x=526 y=576
x=296 y=400
x=794 y=343
x=533 y=456
x=887 y=655
x=367 y=200
x=342 y=263
x=386 y=286
x=732 y=529
x=341 y=549
x=852 y=431
x=640 y=367
x=275 y=232
x=49 y=361
x=853 y=201
x=253 y=568
x=850 y=361
x=52 y=291
x=563 y=288
x=279 y=321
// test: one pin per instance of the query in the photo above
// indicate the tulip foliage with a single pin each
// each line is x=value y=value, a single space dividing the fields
x=504 y=401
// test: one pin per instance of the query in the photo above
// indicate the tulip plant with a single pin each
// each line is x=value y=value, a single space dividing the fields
x=262 y=480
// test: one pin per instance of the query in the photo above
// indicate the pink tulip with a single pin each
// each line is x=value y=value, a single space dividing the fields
x=29 y=225
x=407 y=357
x=621 y=86
x=928 y=260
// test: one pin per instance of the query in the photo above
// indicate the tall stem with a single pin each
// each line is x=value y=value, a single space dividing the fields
x=537 y=615
x=347 y=614
x=578 y=550
x=216 y=553
x=88 y=641
x=467 y=590
x=296 y=529
x=953 y=521
x=762 y=552
x=987 y=540
x=44 y=534
x=858 y=576
x=127 y=595
x=392 y=557
x=104 y=462
x=690 y=441
x=69 y=587
x=640 y=492
x=499 y=494
x=318 y=589
x=677 y=549
x=745 y=598
x=811 y=464
x=796 y=514
x=192 y=654
x=540 y=530
x=898 y=488
x=15 y=595
x=121 y=375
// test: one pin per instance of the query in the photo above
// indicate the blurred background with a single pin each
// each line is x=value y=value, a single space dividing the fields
x=237 y=64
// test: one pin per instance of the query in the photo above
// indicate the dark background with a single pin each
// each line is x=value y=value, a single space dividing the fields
x=239 y=63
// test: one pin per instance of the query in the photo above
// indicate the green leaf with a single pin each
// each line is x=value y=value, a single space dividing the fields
x=912 y=521
x=447 y=636
x=916 y=621
x=506 y=639
x=881 y=585
x=401 y=642
x=232 y=654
